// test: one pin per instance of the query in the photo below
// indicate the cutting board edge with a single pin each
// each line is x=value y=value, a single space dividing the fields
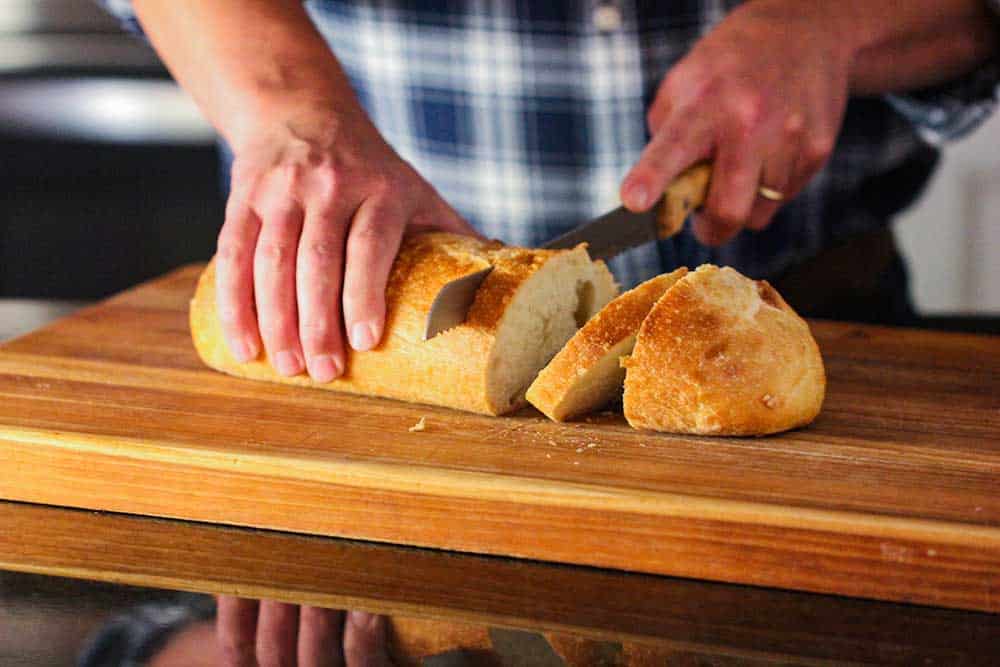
x=929 y=572
x=468 y=484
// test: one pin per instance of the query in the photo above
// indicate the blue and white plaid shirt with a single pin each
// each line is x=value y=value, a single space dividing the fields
x=526 y=116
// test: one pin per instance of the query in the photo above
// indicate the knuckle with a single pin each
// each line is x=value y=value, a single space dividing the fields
x=316 y=334
x=323 y=252
x=654 y=161
x=275 y=253
x=385 y=183
x=293 y=175
x=672 y=135
x=747 y=108
x=684 y=78
x=361 y=301
x=231 y=252
x=817 y=149
x=368 y=235
x=277 y=326
x=326 y=184
x=244 y=173
x=794 y=125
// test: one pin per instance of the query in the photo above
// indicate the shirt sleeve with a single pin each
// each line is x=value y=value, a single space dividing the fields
x=122 y=10
x=950 y=111
x=136 y=635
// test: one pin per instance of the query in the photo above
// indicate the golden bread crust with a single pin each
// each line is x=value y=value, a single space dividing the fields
x=720 y=354
x=451 y=369
x=614 y=323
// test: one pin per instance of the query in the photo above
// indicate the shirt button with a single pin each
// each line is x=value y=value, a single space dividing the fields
x=607 y=18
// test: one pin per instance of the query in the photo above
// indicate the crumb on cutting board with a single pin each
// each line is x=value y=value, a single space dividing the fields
x=419 y=426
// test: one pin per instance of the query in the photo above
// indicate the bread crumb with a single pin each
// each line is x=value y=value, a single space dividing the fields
x=579 y=449
x=548 y=456
x=553 y=443
x=576 y=463
x=769 y=401
x=419 y=426
x=591 y=444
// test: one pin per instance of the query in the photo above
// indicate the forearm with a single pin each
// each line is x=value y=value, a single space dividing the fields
x=244 y=59
x=902 y=45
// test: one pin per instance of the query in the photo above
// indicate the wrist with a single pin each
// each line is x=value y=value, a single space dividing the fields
x=316 y=114
x=832 y=27
x=301 y=86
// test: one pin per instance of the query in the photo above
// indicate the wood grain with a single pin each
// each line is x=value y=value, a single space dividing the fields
x=663 y=614
x=891 y=494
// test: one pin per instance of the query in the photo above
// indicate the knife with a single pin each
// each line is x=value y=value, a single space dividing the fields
x=606 y=236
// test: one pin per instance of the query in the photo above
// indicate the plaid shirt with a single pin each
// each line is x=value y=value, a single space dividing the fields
x=526 y=116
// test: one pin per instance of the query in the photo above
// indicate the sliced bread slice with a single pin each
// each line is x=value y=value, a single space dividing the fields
x=586 y=373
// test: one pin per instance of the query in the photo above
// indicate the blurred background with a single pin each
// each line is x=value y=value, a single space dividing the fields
x=109 y=173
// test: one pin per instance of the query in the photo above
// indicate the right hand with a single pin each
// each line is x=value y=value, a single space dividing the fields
x=316 y=213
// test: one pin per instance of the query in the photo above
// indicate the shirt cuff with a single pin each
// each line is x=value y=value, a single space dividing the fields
x=950 y=111
x=122 y=10
x=132 y=638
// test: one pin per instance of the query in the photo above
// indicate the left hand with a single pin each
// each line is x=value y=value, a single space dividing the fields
x=763 y=95
x=269 y=634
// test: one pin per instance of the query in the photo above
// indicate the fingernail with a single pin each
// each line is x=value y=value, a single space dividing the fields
x=363 y=336
x=638 y=195
x=325 y=367
x=244 y=351
x=288 y=363
x=365 y=620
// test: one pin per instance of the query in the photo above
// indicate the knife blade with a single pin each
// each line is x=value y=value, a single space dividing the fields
x=605 y=236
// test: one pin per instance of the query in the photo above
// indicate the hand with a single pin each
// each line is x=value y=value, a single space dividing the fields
x=763 y=95
x=318 y=207
x=268 y=634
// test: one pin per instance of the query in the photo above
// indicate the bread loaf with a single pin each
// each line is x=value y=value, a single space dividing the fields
x=586 y=373
x=527 y=308
x=720 y=354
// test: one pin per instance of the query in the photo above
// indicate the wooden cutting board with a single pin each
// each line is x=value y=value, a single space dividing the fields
x=894 y=492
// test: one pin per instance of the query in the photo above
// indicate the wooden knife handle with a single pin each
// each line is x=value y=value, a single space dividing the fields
x=688 y=192
x=684 y=194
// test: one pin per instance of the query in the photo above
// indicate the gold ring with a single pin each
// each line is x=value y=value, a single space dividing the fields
x=770 y=193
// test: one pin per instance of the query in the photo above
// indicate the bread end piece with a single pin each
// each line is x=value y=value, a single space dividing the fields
x=721 y=354
x=586 y=373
